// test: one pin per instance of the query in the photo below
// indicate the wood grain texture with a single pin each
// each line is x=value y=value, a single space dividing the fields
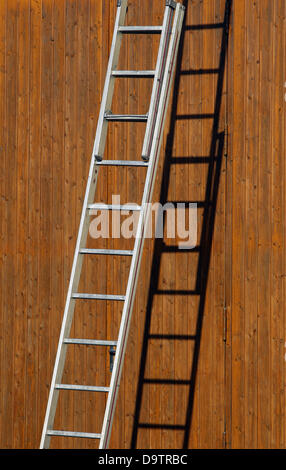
x=34 y=413
x=187 y=381
x=238 y=221
x=257 y=151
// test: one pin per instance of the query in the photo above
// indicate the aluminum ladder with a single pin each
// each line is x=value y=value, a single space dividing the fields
x=170 y=33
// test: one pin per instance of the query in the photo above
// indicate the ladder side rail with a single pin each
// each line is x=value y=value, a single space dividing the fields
x=142 y=225
x=81 y=240
x=157 y=84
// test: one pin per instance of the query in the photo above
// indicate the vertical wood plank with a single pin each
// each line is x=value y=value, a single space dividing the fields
x=251 y=226
x=264 y=235
x=97 y=322
x=3 y=36
x=10 y=222
x=131 y=184
x=34 y=413
x=58 y=155
x=22 y=130
x=196 y=174
x=207 y=338
x=229 y=236
x=283 y=12
x=71 y=220
x=218 y=198
x=183 y=258
x=238 y=245
x=143 y=435
x=82 y=167
x=46 y=177
x=277 y=366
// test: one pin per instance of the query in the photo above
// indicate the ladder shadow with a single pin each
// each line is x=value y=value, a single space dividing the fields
x=214 y=161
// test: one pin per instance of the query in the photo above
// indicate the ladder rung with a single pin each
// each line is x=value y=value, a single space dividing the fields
x=126 y=117
x=90 y=342
x=133 y=73
x=86 y=435
x=98 y=297
x=107 y=207
x=89 y=251
x=81 y=388
x=122 y=163
x=140 y=29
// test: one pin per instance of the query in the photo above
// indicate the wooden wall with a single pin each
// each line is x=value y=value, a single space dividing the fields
x=205 y=363
x=256 y=257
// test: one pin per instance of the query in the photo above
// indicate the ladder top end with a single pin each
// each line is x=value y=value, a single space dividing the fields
x=171 y=3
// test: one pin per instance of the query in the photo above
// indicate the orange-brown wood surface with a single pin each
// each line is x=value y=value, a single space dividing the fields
x=205 y=361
